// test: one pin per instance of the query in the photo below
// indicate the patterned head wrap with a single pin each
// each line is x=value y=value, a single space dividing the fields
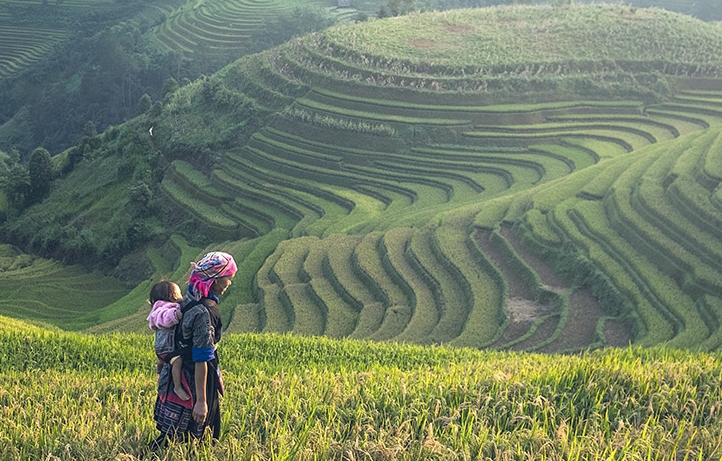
x=212 y=266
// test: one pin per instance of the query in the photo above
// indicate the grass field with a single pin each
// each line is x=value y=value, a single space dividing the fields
x=72 y=396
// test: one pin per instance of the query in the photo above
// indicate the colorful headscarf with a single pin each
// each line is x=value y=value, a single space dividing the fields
x=212 y=266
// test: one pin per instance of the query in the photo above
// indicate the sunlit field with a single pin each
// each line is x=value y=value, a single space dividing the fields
x=70 y=396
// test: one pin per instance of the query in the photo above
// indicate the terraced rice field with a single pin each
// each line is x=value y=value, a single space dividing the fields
x=82 y=292
x=21 y=47
x=398 y=198
x=223 y=27
x=428 y=217
x=212 y=28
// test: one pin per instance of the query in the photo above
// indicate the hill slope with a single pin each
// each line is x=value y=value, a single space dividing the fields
x=436 y=184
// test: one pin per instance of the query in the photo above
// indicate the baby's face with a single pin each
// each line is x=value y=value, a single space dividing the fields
x=178 y=297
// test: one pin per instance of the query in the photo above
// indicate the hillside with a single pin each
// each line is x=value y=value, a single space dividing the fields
x=75 y=396
x=66 y=62
x=433 y=178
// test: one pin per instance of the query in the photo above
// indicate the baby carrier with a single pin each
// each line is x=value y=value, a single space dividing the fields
x=183 y=346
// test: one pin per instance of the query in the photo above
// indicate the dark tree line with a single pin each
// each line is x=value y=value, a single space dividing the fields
x=24 y=186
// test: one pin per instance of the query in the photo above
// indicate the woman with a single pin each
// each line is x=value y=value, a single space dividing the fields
x=199 y=331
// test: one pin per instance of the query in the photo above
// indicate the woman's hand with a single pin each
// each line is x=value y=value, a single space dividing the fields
x=200 y=411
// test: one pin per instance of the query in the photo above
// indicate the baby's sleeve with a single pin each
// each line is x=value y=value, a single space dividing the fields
x=167 y=317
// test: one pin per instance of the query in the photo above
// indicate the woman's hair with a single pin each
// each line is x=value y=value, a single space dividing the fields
x=164 y=290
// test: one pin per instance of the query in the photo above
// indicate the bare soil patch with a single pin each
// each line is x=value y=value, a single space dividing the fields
x=423 y=43
x=543 y=332
x=522 y=308
x=585 y=312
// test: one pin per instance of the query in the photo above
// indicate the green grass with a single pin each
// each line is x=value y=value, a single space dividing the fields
x=512 y=38
x=91 y=397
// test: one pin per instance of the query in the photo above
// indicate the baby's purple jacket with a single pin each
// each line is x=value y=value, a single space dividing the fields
x=163 y=315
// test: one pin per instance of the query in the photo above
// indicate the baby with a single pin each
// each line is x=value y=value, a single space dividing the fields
x=164 y=316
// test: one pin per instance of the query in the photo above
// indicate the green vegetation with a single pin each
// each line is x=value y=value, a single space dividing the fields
x=70 y=395
x=392 y=190
x=46 y=291
x=477 y=40
x=428 y=185
x=63 y=62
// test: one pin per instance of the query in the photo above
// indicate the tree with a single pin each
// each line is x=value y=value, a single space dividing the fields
x=294 y=23
x=361 y=17
x=16 y=184
x=90 y=140
x=40 y=172
x=89 y=130
x=156 y=110
x=170 y=86
x=144 y=104
x=401 y=7
x=140 y=198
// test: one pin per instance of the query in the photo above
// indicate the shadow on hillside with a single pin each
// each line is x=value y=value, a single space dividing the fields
x=533 y=323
